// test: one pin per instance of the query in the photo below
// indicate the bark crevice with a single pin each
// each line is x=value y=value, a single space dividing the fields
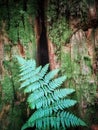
x=42 y=46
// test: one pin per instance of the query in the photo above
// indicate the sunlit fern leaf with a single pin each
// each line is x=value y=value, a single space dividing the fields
x=62 y=104
x=44 y=70
x=62 y=120
x=70 y=119
x=50 y=75
x=39 y=124
x=56 y=82
x=27 y=71
x=46 y=97
x=26 y=125
x=29 y=64
x=30 y=81
x=41 y=102
x=34 y=72
x=55 y=106
x=60 y=93
x=30 y=75
x=21 y=60
x=46 y=90
x=26 y=76
x=35 y=95
x=32 y=87
x=41 y=113
x=46 y=101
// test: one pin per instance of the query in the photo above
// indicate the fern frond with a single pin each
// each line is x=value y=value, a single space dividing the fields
x=30 y=81
x=63 y=120
x=46 y=90
x=40 y=114
x=48 y=111
x=36 y=71
x=42 y=102
x=56 y=82
x=70 y=119
x=20 y=60
x=60 y=93
x=44 y=70
x=50 y=75
x=32 y=87
x=28 y=64
x=62 y=104
x=43 y=91
x=36 y=95
x=55 y=105
x=46 y=97
x=26 y=125
x=30 y=77
x=39 y=70
x=27 y=71
x=51 y=98
x=26 y=76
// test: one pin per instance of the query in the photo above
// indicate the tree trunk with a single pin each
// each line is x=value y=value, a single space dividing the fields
x=63 y=33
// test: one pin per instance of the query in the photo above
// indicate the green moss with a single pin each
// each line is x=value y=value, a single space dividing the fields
x=7 y=90
x=19 y=17
x=67 y=65
x=13 y=71
x=79 y=9
x=7 y=48
x=32 y=7
x=78 y=78
x=58 y=29
x=0 y=97
x=10 y=82
x=86 y=93
x=88 y=62
x=22 y=30
x=57 y=18
x=91 y=116
x=59 y=33
x=16 y=117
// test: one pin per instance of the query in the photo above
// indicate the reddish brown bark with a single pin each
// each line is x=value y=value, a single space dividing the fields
x=21 y=49
x=51 y=55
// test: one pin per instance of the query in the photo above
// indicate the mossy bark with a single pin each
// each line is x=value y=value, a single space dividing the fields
x=13 y=111
x=78 y=61
x=16 y=38
x=77 y=57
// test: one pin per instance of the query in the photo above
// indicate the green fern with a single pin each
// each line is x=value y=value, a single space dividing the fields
x=46 y=96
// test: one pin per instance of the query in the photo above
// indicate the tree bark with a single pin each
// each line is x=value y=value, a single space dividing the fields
x=30 y=38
